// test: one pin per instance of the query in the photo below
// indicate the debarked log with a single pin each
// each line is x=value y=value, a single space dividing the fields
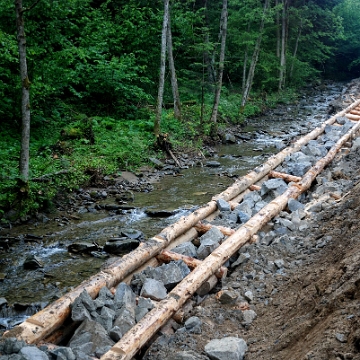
x=286 y=177
x=136 y=337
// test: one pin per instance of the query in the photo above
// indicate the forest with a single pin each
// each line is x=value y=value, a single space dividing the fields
x=87 y=86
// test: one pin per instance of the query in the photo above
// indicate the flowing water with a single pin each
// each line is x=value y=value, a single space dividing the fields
x=195 y=186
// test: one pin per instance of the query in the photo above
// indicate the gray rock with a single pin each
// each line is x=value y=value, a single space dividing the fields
x=158 y=164
x=213 y=164
x=228 y=139
x=341 y=120
x=119 y=247
x=228 y=348
x=245 y=208
x=248 y=317
x=100 y=351
x=140 y=312
x=3 y=301
x=67 y=353
x=209 y=242
x=115 y=334
x=268 y=238
x=252 y=198
x=275 y=187
x=88 y=336
x=193 y=325
x=125 y=297
x=294 y=205
x=33 y=353
x=223 y=205
x=341 y=337
x=243 y=217
x=33 y=262
x=241 y=260
x=153 y=289
x=258 y=206
x=106 y=318
x=132 y=233
x=187 y=248
x=11 y=345
x=145 y=303
x=125 y=319
x=228 y=296
x=279 y=263
x=249 y=296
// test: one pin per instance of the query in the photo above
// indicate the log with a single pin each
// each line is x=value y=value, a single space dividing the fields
x=44 y=323
x=207 y=286
x=136 y=337
x=355 y=112
x=254 y=187
x=286 y=177
x=353 y=117
x=202 y=228
x=192 y=263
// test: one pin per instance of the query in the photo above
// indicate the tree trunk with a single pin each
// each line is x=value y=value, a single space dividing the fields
x=224 y=16
x=255 y=57
x=246 y=55
x=296 y=49
x=25 y=98
x=174 y=83
x=278 y=41
x=282 y=75
x=162 y=69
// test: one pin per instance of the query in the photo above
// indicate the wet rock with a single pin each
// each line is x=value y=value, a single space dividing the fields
x=125 y=196
x=122 y=246
x=187 y=249
x=213 y=164
x=82 y=247
x=132 y=234
x=228 y=348
x=112 y=207
x=223 y=205
x=89 y=336
x=160 y=213
x=153 y=289
x=228 y=139
x=33 y=262
x=32 y=353
x=125 y=319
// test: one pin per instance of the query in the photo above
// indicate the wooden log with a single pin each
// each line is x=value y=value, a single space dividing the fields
x=286 y=177
x=44 y=323
x=202 y=228
x=353 y=117
x=192 y=263
x=254 y=187
x=136 y=337
x=355 y=112
x=207 y=285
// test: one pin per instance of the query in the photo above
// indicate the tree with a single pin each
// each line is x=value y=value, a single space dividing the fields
x=25 y=98
x=160 y=97
x=223 y=32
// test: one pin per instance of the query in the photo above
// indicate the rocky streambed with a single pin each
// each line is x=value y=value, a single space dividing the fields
x=255 y=272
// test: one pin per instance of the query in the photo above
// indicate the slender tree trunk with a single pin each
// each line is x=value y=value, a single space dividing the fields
x=174 y=83
x=162 y=69
x=224 y=16
x=246 y=55
x=208 y=61
x=278 y=40
x=282 y=75
x=25 y=98
x=255 y=58
x=296 y=49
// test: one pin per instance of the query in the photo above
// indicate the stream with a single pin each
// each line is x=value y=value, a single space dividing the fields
x=24 y=291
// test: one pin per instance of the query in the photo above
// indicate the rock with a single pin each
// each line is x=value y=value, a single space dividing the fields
x=186 y=248
x=115 y=334
x=88 y=337
x=65 y=352
x=241 y=260
x=341 y=337
x=125 y=319
x=227 y=296
x=249 y=296
x=209 y=242
x=3 y=301
x=125 y=297
x=132 y=234
x=243 y=217
x=228 y=348
x=274 y=187
x=294 y=205
x=33 y=353
x=213 y=164
x=33 y=262
x=193 y=325
x=119 y=247
x=186 y=355
x=106 y=318
x=158 y=164
x=248 y=317
x=228 y=139
x=223 y=205
x=153 y=289
x=11 y=345
x=160 y=213
x=82 y=247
